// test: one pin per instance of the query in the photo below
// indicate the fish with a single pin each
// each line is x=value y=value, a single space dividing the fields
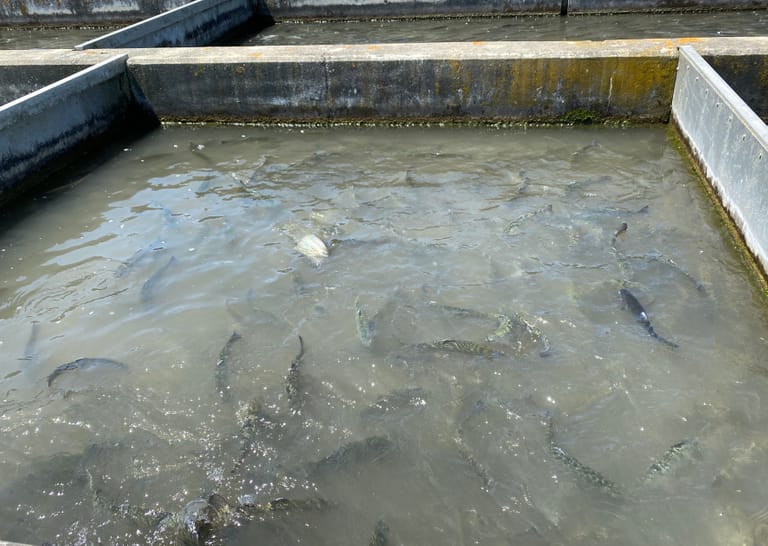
x=380 y=535
x=30 y=349
x=461 y=346
x=248 y=505
x=357 y=452
x=517 y=324
x=514 y=224
x=254 y=419
x=583 y=473
x=84 y=364
x=222 y=367
x=677 y=455
x=150 y=285
x=366 y=328
x=641 y=316
x=397 y=401
x=293 y=380
x=313 y=248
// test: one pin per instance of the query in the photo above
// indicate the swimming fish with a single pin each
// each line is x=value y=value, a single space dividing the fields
x=84 y=364
x=150 y=286
x=380 y=535
x=361 y=451
x=399 y=401
x=677 y=455
x=366 y=328
x=222 y=367
x=583 y=473
x=293 y=381
x=461 y=346
x=641 y=316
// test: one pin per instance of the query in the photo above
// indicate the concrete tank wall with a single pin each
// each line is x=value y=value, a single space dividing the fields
x=198 y=23
x=44 y=130
x=729 y=142
x=510 y=81
x=106 y=11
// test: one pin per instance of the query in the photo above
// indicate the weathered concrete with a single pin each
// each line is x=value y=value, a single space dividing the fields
x=512 y=81
x=40 y=131
x=730 y=143
x=198 y=23
x=22 y=72
x=69 y=12
x=481 y=81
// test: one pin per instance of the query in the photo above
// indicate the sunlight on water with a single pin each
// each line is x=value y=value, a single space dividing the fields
x=448 y=362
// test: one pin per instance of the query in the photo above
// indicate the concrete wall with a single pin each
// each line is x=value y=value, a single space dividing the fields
x=730 y=144
x=39 y=132
x=90 y=11
x=511 y=81
x=198 y=23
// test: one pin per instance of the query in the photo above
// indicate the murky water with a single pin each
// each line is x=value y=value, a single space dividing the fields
x=602 y=27
x=157 y=256
x=48 y=38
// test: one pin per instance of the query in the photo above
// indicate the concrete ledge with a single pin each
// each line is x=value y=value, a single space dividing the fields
x=730 y=143
x=198 y=23
x=511 y=81
x=39 y=131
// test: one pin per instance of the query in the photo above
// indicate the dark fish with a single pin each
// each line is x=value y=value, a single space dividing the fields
x=85 y=364
x=582 y=472
x=622 y=229
x=293 y=381
x=380 y=535
x=366 y=328
x=249 y=506
x=461 y=346
x=222 y=367
x=362 y=451
x=641 y=316
x=397 y=401
x=513 y=225
x=255 y=419
x=30 y=350
x=157 y=245
x=677 y=455
x=150 y=285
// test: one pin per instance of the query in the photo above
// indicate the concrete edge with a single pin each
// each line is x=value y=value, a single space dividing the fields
x=730 y=144
x=41 y=132
x=61 y=90
x=198 y=23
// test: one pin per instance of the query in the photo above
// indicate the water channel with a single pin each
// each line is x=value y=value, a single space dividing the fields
x=540 y=423
x=572 y=27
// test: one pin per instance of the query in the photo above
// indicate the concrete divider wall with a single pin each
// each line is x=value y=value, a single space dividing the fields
x=39 y=131
x=511 y=81
x=198 y=23
x=730 y=143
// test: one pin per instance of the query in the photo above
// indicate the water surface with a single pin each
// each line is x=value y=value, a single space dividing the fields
x=154 y=258
x=572 y=27
x=20 y=37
